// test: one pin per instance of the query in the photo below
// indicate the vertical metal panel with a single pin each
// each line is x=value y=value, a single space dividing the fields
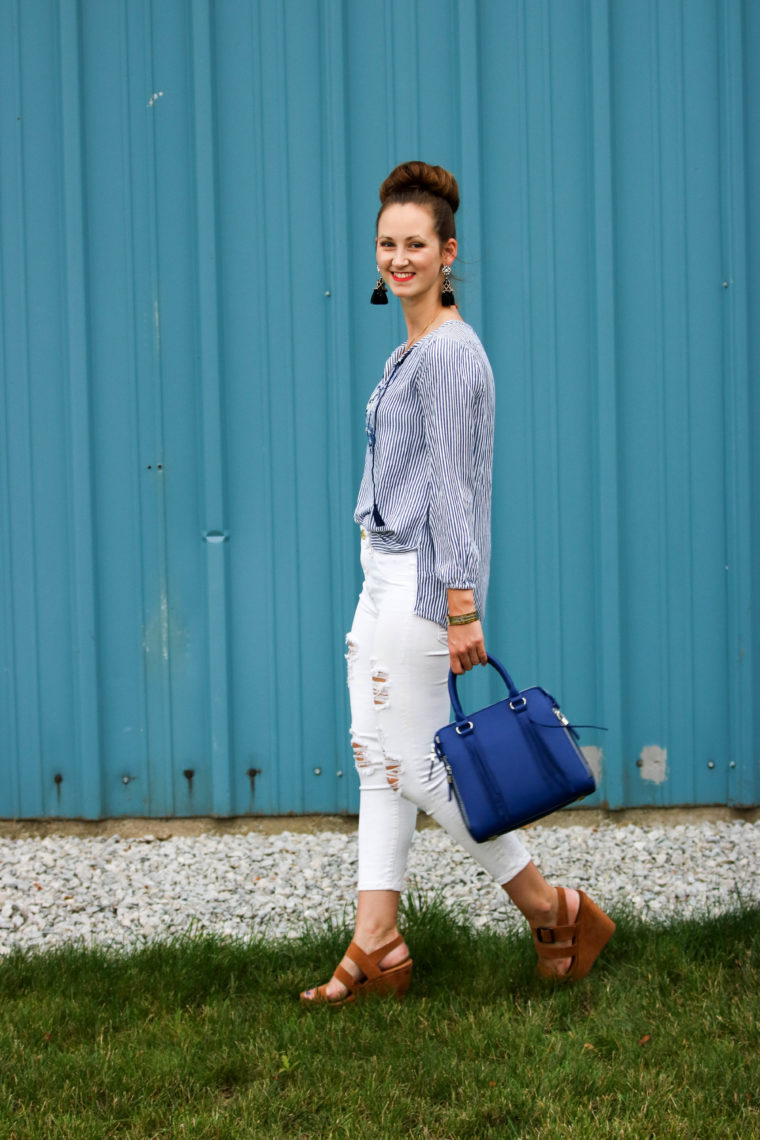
x=676 y=463
x=214 y=500
x=187 y=203
x=742 y=519
x=745 y=788
x=85 y=710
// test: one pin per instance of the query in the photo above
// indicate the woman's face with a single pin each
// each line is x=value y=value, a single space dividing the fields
x=408 y=251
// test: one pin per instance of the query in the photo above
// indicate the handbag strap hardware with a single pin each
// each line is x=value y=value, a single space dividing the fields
x=464 y=729
x=518 y=705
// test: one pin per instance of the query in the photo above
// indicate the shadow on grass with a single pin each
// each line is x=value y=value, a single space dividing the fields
x=449 y=955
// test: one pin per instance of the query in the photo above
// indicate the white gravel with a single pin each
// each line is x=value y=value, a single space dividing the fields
x=122 y=892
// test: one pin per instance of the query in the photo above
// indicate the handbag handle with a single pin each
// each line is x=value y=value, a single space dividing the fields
x=520 y=702
x=454 y=696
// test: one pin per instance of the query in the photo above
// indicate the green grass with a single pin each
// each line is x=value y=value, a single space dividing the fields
x=202 y=1038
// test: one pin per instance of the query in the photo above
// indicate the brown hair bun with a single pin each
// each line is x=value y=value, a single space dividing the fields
x=427 y=185
x=421 y=176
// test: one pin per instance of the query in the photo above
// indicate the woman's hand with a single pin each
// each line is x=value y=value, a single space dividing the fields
x=466 y=647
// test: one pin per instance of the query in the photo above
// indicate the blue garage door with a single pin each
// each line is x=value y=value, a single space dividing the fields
x=187 y=201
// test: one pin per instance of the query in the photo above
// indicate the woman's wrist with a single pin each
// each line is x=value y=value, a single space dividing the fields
x=460 y=602
x=464 y=619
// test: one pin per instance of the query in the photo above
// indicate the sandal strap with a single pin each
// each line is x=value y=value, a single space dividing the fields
x=555 y=951
x=545 y=937
x=368 y=963
x=343 y=976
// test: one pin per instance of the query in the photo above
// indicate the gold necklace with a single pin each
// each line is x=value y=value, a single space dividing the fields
x=420 y=335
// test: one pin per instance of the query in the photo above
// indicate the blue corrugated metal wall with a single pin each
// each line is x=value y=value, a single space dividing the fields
x=187 y=200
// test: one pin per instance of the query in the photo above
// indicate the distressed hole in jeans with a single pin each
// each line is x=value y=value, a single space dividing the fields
x=352 y=650
x=380 y=689
x=391 y=772
x=360 y=755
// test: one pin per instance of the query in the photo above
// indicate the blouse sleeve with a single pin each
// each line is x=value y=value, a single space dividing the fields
x=451 y=388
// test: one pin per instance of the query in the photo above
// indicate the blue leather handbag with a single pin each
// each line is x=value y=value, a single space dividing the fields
x=513 y=762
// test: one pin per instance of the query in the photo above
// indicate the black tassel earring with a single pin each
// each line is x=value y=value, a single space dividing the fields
x=447 y=293
x=380 y=292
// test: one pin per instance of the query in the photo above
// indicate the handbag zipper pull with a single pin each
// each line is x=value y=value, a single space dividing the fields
x=449 y=776
x=442 y=757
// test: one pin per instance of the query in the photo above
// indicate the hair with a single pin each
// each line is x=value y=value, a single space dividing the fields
x=426 y=185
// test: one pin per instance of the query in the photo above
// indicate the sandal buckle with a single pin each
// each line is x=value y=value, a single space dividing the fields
x=545 y=934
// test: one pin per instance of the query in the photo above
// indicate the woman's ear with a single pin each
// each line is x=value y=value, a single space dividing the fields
x=449 y=251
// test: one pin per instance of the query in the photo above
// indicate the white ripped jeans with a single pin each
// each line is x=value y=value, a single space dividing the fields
x=398 y=667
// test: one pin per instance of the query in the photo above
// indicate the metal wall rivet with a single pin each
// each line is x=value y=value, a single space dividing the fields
x=317 y=771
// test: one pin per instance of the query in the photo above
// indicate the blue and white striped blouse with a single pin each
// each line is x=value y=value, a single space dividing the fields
x=427 y=471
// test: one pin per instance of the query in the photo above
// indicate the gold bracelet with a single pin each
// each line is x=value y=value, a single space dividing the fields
x=464 y=619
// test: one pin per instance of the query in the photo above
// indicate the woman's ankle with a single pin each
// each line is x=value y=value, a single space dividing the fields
x=370 y=935
x=547 y=912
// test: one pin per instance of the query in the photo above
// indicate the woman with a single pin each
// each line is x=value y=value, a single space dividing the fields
x=424 y=509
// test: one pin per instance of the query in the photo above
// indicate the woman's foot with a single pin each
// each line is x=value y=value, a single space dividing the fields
x=575 y=923
x=359 y=970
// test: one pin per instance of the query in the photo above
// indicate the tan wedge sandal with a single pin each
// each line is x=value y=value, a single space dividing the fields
x=585 y=939
x=393 y=982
